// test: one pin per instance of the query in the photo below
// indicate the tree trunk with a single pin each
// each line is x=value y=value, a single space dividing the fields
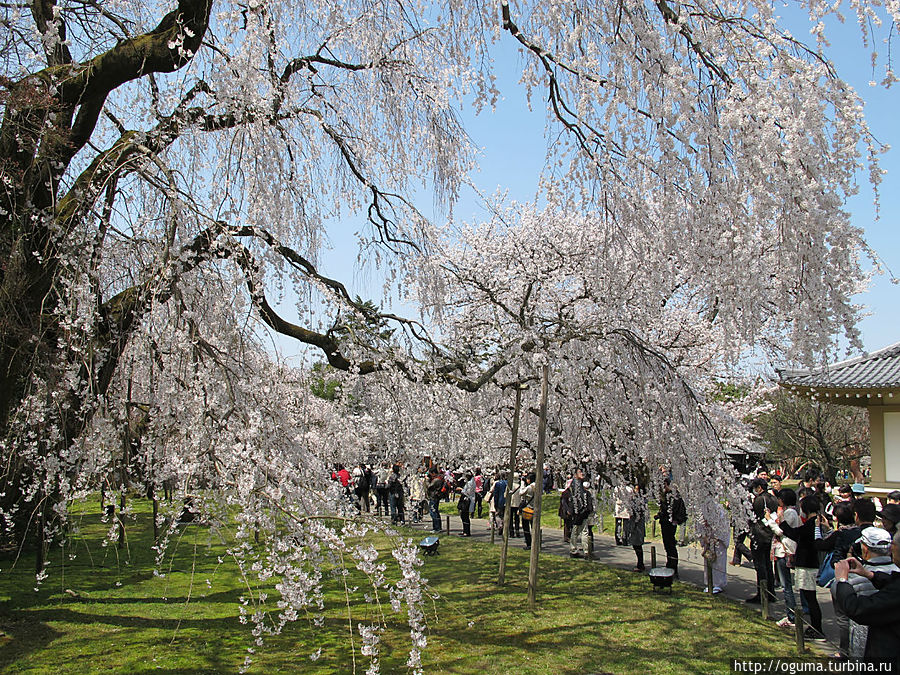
x=538 y=491
x=507 y=515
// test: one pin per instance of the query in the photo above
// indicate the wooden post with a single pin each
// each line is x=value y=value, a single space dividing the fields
x=448 y=524
x=155 y=502
x=709 y=577
x=602 y=529
x=507 y=514
x=652 y=557
x=538 y=490
x=653 y=529
x=40 y=555
x=764 y=598
x=126 y=460
x=492 y=528
x=798 y=627
x=121 y=518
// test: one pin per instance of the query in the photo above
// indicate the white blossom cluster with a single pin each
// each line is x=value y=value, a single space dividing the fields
x=691 y=212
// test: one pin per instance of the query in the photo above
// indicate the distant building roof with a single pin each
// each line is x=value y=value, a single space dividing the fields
x=871 y=379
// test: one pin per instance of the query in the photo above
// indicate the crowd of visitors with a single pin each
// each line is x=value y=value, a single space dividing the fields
x=818 y=537
x=799 y=539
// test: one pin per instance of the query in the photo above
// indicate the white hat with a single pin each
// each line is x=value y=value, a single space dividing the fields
x=875 y=537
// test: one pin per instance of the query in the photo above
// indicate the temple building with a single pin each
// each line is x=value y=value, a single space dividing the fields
x=873 y=382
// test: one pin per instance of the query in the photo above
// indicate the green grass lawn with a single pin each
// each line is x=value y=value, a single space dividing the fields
x=105 y=611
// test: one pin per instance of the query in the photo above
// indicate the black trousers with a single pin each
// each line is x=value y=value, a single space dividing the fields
x=620 y=531
x=740 y=548
x=515 y=521
x=668 y=530
x=765 y=573
x=466 y=522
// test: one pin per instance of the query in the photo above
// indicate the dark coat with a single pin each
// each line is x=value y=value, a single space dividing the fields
x=839 y=541
x=566 y=510
x=806 y=556
x=880 y=612
x=434 y=488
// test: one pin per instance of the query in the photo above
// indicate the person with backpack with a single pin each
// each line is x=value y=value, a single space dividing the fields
x=361 y=487
x=582 y=510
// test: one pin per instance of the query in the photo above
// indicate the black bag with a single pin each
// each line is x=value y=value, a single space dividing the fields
x=679 y=511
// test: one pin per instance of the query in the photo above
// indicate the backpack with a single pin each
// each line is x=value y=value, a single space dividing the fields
x=581 y=514
x=679 y=512
x=825 y=576
x=363 y=483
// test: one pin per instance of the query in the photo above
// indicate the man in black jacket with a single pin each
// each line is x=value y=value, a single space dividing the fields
x=880 y=611
x=761 y=543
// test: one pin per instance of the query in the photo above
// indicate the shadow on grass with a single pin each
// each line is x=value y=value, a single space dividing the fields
x=590 y=619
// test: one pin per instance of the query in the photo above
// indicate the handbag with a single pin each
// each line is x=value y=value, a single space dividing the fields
x=527 y=513
x=825 y=576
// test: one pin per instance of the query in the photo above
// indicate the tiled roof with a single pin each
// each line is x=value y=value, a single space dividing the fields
x=878 y=370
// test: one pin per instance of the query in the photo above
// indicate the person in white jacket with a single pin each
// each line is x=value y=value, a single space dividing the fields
x=783 y=547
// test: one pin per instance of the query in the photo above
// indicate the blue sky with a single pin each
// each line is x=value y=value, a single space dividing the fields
x=512 y=139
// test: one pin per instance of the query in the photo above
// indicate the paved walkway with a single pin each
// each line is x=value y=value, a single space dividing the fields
x=741 y=580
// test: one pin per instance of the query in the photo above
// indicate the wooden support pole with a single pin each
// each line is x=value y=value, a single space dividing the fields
x=448 y=525
x=155 y=502
x=764 y=598
x=798 y=627
x=538 y=490
x=709 y=575
x=652 y=557
x=507 y=511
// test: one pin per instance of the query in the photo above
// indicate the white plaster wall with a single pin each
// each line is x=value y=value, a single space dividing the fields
x=892 y=446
